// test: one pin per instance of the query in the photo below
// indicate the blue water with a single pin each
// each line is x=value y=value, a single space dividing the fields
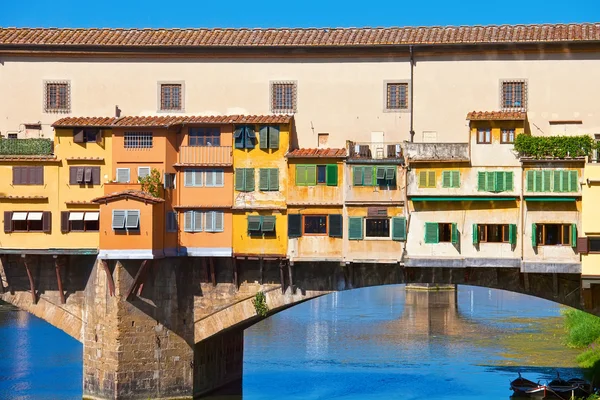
x=375 y=343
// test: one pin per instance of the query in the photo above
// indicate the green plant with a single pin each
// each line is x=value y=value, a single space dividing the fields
x=260 y=304
x=583 y=329
x=26 y=147
x=151 y=183
x=554 y=146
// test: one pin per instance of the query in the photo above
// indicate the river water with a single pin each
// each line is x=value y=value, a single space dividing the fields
x=373 y=343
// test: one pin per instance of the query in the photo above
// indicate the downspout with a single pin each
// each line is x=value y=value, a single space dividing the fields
x=522 y=212
x=412 y=75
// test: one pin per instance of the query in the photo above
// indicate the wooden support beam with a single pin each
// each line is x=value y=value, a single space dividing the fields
x=236 y=282
x=261 y=271
x=141 y=273
x=31 y=283
x=281 y=276
x=555 y=284
x=291 y=274
x=149 y=271
x=4 y=261
x=213 y=275
x=205 y=268
x=109 y=277
x=61 y=292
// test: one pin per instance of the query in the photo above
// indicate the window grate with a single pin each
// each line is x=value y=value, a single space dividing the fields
x=283 y=97
x=514 y=95
x=57 y=97
x=397 y=96
x=138 y=140
x=170 y=97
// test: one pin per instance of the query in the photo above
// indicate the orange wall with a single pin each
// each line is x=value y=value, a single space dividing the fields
x=226 y=134
x=207 y=239
x=159 y=156
x=205 y=196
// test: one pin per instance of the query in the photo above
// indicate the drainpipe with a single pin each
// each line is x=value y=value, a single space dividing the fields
x=522 y=212
x=412 y=75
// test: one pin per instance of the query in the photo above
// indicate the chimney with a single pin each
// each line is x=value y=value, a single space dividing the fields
x=117 y=112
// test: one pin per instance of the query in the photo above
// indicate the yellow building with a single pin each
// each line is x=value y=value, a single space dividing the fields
x=260 y=187
x=588 y=243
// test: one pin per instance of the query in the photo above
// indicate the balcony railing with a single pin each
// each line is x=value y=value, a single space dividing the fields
x=205 y=155
x=436 y=151
x=374 y=150
x=26 y=147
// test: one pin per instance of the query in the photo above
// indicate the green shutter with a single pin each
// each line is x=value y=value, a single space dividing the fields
x=564 y=178
x=499 y=181
x=573 y=181
x=249 y=180
x=254 y=223
x=431 y=179
x=357 y=176
x=264 y=137
x=534 y=235
x=390 y=173
x=368 y=176
x=294 y=225
x=355 y=228
x=446 y=179
x=399 y=228
x=538 y=180
x=250 y=137
x=335 y=225
x=268 y=223
x=454 y=233
x=432 y=234
x=380 y=172
x=455 y=178
x=332 y=174
x=574 y=234
x=475 y=234
x=490 y=181
x=273 y=179
x=274 y=137
x=422 y=179
x=311 y=175
x=530 y=181
x=557 y=181
x=239 y=137
x=546 y=180
x=300 y=175
x=239 y=179
x=263 y=179
x=509 y=181
x=512 y=234
x=481 y=181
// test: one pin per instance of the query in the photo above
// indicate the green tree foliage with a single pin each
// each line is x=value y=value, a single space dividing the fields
x=26 y=147
x=260 y=304
x=151 y=183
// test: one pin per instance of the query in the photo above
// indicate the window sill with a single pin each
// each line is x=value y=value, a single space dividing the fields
x=396 y=110
x=378 y=238
x=173 y=110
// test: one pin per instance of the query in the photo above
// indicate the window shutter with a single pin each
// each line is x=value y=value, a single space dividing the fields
x=209 y=221
x=197 y=177
x=390 y=173
x=188 y=178
x=219 y=221
x=46 y=221
x=16 y=175
x=332 y=174
x=198 y=221
x=294 y=225
x=357 y=174
x=509 y=181
x=475 y=234
x=273 y=179
x=546 y=180
x=557 y=181
x=268 y=223
x=530 y=181
x=263 y=179
x=380 y=172
x=368 y=176
x=573 y=181
x=355 y=228
x=188 y=221
x=431 y=179
x=499 y=181
x=254 y=223
x=219 y=177
x=240 y=174
x=239 y=134
x=422 y=179
x=399 y=228
x=133 y=219
x=39 y=175
x=95 y=175
x=512 y=234
x=274 y=137
x=78 y=135
x=432 y=235
x=7 y=221
x=490 y=181
x=250 y=137
x=72 y=176
x=446 y=179
x=88 y=175
x=564 y=177
x=118 y=219
x=454 y=233
x=311 y=175
x=481 y=181
x=264 y=137
x=249 y=180
x=583 y=245
x=534 y=235
x=64 y=221
x=80 y=172
x=455 y=178
x=335 y=225
x=122 y=175
x=300 y=175
x=573 y=235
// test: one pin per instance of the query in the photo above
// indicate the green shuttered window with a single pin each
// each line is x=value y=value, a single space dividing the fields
x=451 y=179
x=294 y=225
x=558 y=181
x=244 y=179
x=399 y=228
x=244 y=137
x=427 y=179
x=386 y=176
x=364 y=176
x=495 y=181
x=261 y=225
x=432 y=232
x=335 y=225
x=355 y=228
x=306 y=175
x=268 y=179
x=269 y=137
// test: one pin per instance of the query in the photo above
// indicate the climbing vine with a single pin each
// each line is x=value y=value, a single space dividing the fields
x=260 y=304
x=151 y=183
x=554 y=146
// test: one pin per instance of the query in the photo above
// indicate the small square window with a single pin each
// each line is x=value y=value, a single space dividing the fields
x=283 y=97
x=377 y=227
x=171 y=97
x=507 y=136
x=323 y=140
x=57 y=97
x=397 y=96
x=514 y=95
x=315 y=224
x=484 y=136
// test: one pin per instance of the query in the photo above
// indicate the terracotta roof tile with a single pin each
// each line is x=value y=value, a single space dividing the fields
x=167 y=120
x=84 y=158
x=497 y=115
x=130 y=193
x=300 y=37
x=317 y=153
x=80 y=203
x=210 y=206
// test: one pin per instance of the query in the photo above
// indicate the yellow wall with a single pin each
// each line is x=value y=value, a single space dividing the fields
x=320 y=193
x=271 y=245
x=373 y=193
x=372 y=249
x=590 y=263
x=316 y=247
x=495 y=153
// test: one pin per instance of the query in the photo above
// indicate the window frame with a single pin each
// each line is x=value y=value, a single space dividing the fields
x=125 y=221
x=324 y=216
x=508 y=138
x=483 y=234
x=594 y=238
x=386 y=95
x=135 y=140
x=389 y=228
x=161 y=99
x=63 y=107
x=487 y=137
x=282 y=106
x=542 y=233
x=28 y=222
x=504 y=105
x=31 y=172
x=128 y=175
x=201 y=136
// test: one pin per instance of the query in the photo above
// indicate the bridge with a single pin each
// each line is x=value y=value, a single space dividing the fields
x=173 y=327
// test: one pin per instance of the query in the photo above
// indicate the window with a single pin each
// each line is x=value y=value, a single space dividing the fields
x=84 y=175
x=80 y=221
x=169 y=181
x=57 y=97
x=214 y=178
x=138 y=140
x=27 y=221
x=244 y=179
x=28 y=175
x=13 y=135
x=450 y=179
x=495 y=181
x=514 y=94
x=323 y=139
x=554 y=235
x=268 y=179
x=192 y=178
x=245 y=137
x=204 y=137
x=321 y=174
x=494 y=233
x=123 y=175
x=208 y=221
x=171 y=98
x=283 y=97
x=192 y=221
x=269 y=137
x=311 y=175
x=397 y=96
x=484 y=136
x=261 y=225
x=315 y=225
x=559 y=181
x=507 y=136
x=594 y=245
x=171 y=221
x=143 y=172
x=214 y=221
x=427 y=179
x=377 y=227
x=86 y=135
x=363 y=176
x=441 y=232
x=386 y=177
x=126 y=219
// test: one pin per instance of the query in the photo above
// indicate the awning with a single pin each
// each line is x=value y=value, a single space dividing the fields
x=76 y=216
x=551 y=199
x=34 y=216
x=91 y=216
x=19 y=216
x=473 y=198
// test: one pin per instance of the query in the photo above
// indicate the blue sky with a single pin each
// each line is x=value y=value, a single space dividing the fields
x=302 y=13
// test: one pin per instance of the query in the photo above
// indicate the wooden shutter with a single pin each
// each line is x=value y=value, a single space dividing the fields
x=573 y=235
x=512 y=234
x=7 y=221
x=300 y=175
x=454 y=233
x=583 y=245
x=219 y=221
x=268 y=223
x=240 y=175
x=490 y=181
x=123 y=175
x=530 y=181
x=557 y=181
x=481 y=181
x=332 y=174
x=209 y=221
x=254 y=223
x=239 y=135
x=64 y=221
x=573 y=181
x=263 y=179
x=274 y=137
x=79 y=176
x=475 y=234
x=534 y=235
x=264 y=137
x=335 y=225
x=88 y=175
x=446 y=179
x=16 y=178
x=564 y=178
x=422 y=179
x=390 y=173
x=188 y=221
x=36 y=175
x=355 y=228
x=499 y=181
x=249 y=184
x=546 y=181
x=357 y=176
x=46 y=221
x=432 y=232
x=431 y=181
x=509 y=181
x=273 y=179
x=368 y=176
x=399 y=228
x=250 y=137
x=311 y=175
x=380 y=173
x=294 y=225
x=198 y=221
x=78 y=135
x=95 y=175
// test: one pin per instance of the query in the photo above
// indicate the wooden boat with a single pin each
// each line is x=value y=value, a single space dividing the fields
x=521 y=386
x=555 y=389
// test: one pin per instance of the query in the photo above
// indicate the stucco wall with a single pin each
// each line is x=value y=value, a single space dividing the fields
x=271 y=244
x=317 y=247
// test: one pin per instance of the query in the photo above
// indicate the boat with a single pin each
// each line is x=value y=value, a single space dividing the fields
x=556 y=389
x=521 y=386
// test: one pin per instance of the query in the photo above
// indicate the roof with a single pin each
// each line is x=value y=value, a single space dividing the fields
x=300 y=37
x=128 y=194
x=167 y=120
x=497 y=115
x=317 y=153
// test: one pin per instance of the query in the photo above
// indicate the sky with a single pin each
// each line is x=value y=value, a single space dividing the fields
x=281 y=13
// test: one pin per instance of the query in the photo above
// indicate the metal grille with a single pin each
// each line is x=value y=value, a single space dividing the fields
x=57 y=97
x=514 y=95
x=397 y=96
x=170 y=97
x=283 y=97
x=138 y=140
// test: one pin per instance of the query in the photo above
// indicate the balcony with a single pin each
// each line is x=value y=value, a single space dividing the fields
x=427 y=152
x=26 y=147
x=375 y=151
x=205 y=155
